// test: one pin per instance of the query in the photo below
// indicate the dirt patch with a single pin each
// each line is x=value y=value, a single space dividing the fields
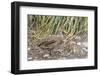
x=55 y=47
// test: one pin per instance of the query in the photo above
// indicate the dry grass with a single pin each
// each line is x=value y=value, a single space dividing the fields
x=68 y=26
x=53 y=35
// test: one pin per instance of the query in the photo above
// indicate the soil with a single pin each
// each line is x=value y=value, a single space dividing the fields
x=55 y=47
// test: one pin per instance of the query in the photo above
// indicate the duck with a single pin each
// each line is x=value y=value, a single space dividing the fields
x=51 y=42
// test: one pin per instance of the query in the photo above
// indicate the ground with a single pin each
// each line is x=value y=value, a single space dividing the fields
x=55 y=47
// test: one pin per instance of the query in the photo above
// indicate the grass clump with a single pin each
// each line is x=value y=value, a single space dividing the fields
x=40 y=26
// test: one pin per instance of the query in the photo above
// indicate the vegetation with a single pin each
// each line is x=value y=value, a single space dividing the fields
x=68 y=26
x=54 y=37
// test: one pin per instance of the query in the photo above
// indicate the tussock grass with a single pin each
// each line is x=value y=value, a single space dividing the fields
x=68 y=26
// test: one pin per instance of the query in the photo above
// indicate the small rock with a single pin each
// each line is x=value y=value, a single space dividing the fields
x=35 y=57
x=78 y=43
x=85 y=44
x=30 y=58
x=46 y=55
x=28 y=48
x=78 y=38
